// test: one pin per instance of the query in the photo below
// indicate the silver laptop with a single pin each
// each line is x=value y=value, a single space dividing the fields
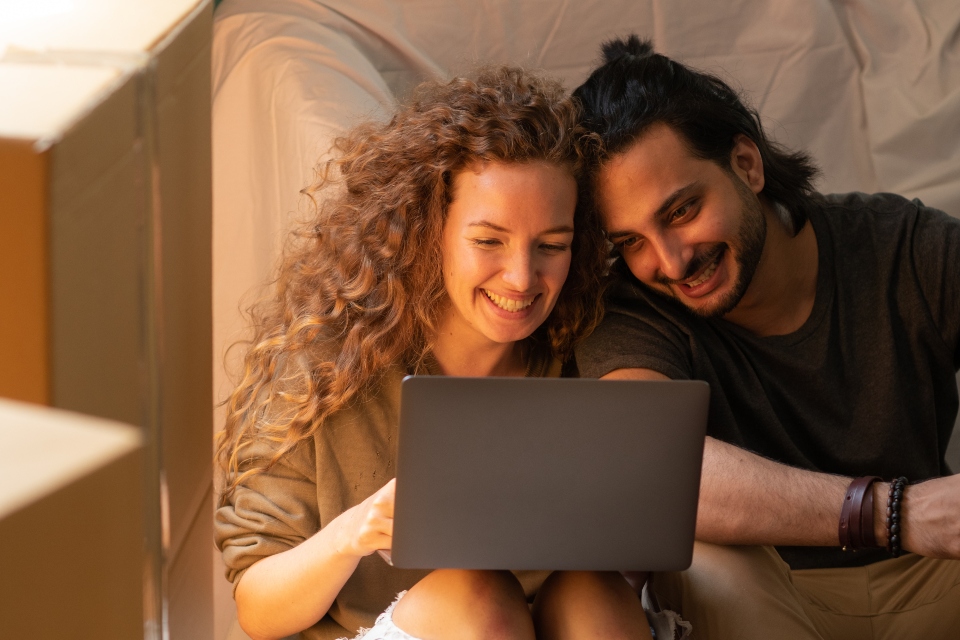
x=548 y=473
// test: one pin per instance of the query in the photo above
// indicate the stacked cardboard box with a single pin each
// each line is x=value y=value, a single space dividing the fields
x=105 y=269
x=70 y=525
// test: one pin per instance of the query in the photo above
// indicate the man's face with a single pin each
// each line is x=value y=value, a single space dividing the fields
x=685 y=226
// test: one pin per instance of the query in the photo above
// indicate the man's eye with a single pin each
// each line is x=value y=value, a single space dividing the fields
x=626 y=243
x=682 y=212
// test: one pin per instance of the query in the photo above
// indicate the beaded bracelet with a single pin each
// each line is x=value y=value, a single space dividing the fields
x=894 y=530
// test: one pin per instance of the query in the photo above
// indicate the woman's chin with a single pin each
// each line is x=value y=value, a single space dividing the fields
x=496 y=332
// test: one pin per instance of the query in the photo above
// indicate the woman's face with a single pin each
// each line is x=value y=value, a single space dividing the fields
x=506 y=248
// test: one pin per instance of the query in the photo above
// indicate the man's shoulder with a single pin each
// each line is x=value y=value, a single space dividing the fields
x=628 y=297
x=640 y=329
x=882 y=202
x=867 y=208
x=887 y=217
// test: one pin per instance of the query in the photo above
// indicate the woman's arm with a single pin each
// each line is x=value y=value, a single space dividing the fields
x=288 y=592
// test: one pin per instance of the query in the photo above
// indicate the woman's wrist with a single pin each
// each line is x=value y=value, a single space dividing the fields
x=344 y=538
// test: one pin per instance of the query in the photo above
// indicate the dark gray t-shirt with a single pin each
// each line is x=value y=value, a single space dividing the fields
x=865 y=387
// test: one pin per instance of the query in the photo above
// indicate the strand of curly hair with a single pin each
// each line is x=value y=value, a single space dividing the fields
x=360 y=288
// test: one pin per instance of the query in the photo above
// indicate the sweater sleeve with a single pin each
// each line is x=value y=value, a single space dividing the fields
x=271 y=511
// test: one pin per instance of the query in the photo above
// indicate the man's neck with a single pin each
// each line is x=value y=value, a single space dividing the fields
x=784 y=287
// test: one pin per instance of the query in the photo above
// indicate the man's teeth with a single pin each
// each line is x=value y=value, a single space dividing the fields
x=705 y=275
x=507 y=304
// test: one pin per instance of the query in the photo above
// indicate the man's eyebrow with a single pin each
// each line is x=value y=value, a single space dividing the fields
x=667 y=204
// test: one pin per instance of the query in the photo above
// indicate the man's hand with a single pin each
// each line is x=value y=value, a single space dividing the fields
x=930 y=517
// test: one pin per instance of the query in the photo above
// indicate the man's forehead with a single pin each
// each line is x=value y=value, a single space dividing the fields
x=656 y=164
x=659 y=142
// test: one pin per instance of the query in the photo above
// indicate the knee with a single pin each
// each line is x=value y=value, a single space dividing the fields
x=736 y=591
x=734 y=568
x=576 y=586
x=721 y=575
x=588 y=604
x=465 y=604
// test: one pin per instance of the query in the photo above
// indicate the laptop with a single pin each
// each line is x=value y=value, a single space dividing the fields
x=548 y=473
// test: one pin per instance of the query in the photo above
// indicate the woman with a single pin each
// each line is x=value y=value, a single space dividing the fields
x=444 y=244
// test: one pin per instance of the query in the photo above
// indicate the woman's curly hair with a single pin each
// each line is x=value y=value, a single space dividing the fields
x=360 y=289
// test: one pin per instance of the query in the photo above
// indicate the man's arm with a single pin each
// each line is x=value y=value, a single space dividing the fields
x=748 y=499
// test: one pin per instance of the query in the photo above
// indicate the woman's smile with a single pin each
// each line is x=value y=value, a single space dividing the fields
x=506 y=252
x=508 y=304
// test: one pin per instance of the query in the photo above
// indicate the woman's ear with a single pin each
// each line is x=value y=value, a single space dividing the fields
x=746 y=162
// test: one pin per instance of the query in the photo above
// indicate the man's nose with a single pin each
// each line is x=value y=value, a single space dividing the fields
x=674 y=256
x=520 y=271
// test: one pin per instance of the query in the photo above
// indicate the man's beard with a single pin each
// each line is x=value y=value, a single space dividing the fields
x=748 y=247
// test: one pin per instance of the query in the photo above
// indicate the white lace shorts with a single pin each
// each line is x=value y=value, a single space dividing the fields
x=383 y=628
x=664 y=625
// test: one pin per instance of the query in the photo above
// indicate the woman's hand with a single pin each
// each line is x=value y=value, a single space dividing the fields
x=289 y=591
x=368 y=526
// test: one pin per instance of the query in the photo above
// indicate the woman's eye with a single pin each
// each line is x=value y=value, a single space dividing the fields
x=627 y=243
x=486 y=242
x=554 y=247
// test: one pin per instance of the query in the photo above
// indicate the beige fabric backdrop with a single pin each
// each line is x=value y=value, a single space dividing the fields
x=870 y=87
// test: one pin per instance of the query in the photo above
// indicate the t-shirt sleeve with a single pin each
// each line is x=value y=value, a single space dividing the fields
x=936 y=256
x=270 y=511
x=634 y=335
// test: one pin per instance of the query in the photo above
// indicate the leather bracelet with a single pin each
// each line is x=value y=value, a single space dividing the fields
x=868 y=535
x=856 y=515
x=894 y=525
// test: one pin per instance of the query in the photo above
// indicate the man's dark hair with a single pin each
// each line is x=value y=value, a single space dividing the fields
x=636 y=88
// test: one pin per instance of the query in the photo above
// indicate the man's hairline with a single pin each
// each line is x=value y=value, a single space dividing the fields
x=644 y=131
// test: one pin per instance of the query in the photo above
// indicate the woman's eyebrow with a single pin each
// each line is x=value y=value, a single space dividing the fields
x=489 y=225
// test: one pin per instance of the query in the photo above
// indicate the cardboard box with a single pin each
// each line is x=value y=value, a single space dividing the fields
x=71 y=527
x=105 y=235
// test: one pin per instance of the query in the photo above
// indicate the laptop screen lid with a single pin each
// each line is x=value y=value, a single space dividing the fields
x=548 y=473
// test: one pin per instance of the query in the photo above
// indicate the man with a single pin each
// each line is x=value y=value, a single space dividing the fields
x=828 y=328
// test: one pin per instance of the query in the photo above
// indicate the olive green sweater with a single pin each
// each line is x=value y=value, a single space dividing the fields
x=347 y=460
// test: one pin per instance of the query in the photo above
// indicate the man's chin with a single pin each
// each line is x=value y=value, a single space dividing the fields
x=714 y=305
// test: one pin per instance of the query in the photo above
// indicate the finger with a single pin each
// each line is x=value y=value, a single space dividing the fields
x=384 y=498
x=381 y=523
x=388 y=490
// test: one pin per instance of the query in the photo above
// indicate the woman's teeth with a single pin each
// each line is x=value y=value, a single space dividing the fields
x=508 y=304
x=705 y=275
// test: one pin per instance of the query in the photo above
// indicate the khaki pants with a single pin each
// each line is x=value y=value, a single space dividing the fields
x=749 y=592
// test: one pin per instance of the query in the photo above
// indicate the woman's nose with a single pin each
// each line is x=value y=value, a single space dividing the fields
x=520 y=272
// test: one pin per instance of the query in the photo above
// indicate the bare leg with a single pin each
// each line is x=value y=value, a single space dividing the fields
x=466 y=605
x=587 y=604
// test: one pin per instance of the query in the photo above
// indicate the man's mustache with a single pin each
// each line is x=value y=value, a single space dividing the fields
x=696 y=264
